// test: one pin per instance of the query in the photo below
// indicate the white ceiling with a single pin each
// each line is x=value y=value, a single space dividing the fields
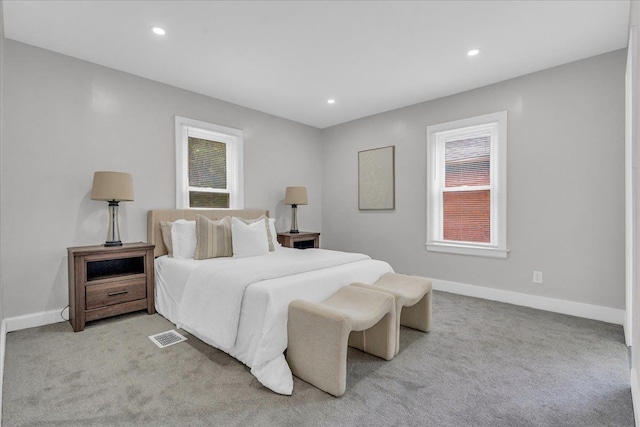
x=288 y=58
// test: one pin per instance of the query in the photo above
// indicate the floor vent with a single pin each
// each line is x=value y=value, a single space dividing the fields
x=165 y=339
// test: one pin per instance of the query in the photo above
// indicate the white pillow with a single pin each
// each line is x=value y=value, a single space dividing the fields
x=274 y=233
x=183 y=238
x=248 y=239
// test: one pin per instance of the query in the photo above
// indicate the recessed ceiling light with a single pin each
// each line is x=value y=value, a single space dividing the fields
x=473 y=52
x=159 y=31
x=331 y=101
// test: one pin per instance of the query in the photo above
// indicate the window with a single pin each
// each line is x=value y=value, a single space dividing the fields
x=208 y=165
x=467 y=186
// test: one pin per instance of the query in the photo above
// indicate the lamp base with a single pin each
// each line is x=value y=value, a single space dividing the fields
x=113 y=234
x=294 y=220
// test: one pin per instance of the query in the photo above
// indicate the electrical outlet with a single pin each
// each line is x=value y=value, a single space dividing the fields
x=537 y=277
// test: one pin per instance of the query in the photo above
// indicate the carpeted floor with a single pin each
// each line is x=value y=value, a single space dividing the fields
x=484 y=364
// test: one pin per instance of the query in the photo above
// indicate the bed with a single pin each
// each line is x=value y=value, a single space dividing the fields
x=199 y=295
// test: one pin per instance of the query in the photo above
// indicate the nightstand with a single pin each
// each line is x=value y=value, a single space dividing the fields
x=108 y=281
x=301 y=240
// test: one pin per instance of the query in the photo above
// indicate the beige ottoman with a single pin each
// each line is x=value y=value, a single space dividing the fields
x=413 y=300
x=319 y=334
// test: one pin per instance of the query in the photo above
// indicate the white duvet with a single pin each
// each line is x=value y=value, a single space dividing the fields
x=240 y=305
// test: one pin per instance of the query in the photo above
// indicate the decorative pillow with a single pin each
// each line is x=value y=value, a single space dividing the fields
x=165 y=227
x=214 y=237
x=183 y=238
x=249 y=239
x=274 y=233
x=266 y=225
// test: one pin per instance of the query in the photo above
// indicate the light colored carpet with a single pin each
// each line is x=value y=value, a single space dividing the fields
x=484 y=364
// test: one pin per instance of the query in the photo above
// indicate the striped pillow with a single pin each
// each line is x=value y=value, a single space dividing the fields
x=214 y=238
x=266 y=222
x=165 y=227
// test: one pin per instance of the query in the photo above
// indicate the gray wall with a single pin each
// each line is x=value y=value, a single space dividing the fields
x=565 y=184
x=66 y=118
x=1 y=126
x=634 y=21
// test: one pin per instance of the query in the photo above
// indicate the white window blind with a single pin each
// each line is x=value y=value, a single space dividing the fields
x=466 y=188
x=207 y=173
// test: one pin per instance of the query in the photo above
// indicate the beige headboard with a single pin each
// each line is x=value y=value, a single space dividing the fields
x=154 y=216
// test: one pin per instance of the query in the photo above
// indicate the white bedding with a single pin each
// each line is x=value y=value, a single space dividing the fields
x=262 y=327
x=213 y=294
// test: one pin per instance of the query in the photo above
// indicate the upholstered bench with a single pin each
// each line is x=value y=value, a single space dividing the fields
x=412 y=297
x=319 y=334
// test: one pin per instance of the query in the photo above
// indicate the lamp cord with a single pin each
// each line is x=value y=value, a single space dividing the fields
x=62 y=311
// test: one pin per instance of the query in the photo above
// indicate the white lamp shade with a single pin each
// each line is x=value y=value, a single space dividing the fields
x=112 y=186
x=296 y=196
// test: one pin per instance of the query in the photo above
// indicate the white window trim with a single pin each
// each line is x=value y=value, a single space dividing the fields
x=498 y=246
x=235 y=143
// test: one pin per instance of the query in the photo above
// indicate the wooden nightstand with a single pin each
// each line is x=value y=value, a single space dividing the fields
x=107 y=281
x=301 y=240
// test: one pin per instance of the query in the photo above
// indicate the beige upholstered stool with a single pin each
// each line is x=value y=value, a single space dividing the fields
x=319 y=333
x=411 y=292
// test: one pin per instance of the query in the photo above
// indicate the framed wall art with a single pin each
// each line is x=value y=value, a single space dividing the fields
x=376 y=178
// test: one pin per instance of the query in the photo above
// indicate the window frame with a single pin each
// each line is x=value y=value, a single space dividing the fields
x=232 y=138
x=496 y=123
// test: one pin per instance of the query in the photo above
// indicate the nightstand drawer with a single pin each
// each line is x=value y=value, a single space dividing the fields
x=115 y=292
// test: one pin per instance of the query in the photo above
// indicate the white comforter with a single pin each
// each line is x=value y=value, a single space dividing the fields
x=213 y=295
x=211 y=304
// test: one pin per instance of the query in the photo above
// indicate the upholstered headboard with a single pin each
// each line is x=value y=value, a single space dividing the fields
x=154 y=216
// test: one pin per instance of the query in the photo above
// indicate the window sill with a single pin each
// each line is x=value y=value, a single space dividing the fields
x=467 y=250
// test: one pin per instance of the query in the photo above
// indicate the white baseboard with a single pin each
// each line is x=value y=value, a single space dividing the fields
x=3 y=341
x=32 y=320
x=635 y=395
x=588 y=311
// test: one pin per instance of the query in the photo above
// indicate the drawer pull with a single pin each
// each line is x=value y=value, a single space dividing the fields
x=112 y=294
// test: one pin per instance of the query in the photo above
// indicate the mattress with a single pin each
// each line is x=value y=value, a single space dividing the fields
x=261 y=335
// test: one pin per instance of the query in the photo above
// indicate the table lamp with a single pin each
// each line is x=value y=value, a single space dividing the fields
x=113 y=187
x=295 y=196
